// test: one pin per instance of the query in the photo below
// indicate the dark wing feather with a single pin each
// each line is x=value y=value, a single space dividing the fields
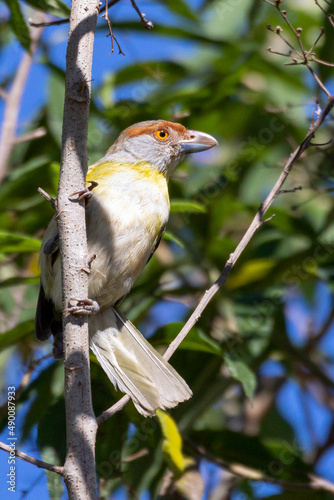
x=44 y=316
x=44 y=311
x=156 y=243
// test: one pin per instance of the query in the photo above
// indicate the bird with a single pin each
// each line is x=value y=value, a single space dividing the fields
x=127 y=209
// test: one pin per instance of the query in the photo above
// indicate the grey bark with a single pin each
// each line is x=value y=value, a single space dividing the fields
x=81 y=426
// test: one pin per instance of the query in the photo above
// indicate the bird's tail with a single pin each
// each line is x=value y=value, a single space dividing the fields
x=133 y=365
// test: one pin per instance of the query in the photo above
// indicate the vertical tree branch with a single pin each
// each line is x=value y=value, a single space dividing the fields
x=13 y=99
x=79 y=468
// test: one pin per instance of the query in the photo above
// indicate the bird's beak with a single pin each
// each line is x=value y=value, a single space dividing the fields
x=199 y=141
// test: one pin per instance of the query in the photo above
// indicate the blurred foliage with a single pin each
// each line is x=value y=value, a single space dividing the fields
x=259 y=109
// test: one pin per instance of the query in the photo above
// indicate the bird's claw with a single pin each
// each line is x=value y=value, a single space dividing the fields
x=85 y=193
x=83 y=307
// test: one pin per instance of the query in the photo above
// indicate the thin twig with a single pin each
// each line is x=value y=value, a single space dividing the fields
x=31 y=136
x=279 y=53
x=48 y=197
x=317 y=79
x=111 y=34
x=293 y=190
x=302 y=57
x=322 y=144
x=278 y=31
x=320 y=61
x=113 y=409
x=45 y=24
x=322 y=31
x=312 y=482
x=28 y=458
x=148 y=24
x=329 y=16
x=67 y=19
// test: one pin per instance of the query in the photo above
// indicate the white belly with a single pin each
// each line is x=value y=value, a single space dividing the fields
x=122 y=229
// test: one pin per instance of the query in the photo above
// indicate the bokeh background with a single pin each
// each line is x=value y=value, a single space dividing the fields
x=260 y=361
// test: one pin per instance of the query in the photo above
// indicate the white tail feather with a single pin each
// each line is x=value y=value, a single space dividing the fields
x=133 y=365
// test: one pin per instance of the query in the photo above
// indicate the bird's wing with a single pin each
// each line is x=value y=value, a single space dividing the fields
x=47 y=258
x=44 y=316
x=156 y=243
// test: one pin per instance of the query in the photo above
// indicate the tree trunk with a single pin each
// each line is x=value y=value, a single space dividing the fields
x=81 y=427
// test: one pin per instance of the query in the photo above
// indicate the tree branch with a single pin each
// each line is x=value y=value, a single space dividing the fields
x=79 y=468
x=315 y=482
x=13 y=98
x=28 y=458
x=111 y=33
x=148 y=24
x=58 y=22
x=255 y=225
x=32 y=135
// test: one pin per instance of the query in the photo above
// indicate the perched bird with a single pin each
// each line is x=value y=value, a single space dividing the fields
x=126 y=216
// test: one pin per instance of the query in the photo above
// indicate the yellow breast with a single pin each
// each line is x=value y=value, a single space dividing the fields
x=129 y=208
x=103 y=171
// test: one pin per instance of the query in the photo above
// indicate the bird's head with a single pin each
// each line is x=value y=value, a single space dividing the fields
x=161 y=143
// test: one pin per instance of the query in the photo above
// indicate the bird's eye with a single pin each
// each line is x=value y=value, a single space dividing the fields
x=162 y=134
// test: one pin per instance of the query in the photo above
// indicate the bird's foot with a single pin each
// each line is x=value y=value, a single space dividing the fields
x=83 y=307
x=88 y=269
x=85 y=193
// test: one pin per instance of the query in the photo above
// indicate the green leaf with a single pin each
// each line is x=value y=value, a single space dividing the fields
x=54 y=7
x=55 y=483
x=196 y=340
x=171 y=237
x=172 y=444
x=254 y=270
x=16 y=334
x=15 y=281
x=151 y=74
x=51 y=425
x=181 y=7
x=18 y=23
x=265 y=458
x=18 y=243
x=184 y=206
x=22 y=183
x=45 y=394
x=55 y=105
x=241 y=372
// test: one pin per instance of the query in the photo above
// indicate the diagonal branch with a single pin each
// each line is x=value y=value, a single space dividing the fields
x=255 y=225
x=32 y=460
x=314 y=482
x=148 y=24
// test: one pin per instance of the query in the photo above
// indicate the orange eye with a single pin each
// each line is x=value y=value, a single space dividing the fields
x=162 y=134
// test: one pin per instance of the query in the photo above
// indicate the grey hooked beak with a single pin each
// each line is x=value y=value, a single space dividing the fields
x=199 y=141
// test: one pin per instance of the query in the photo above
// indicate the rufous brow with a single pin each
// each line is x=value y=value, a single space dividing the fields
x=151 y=129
